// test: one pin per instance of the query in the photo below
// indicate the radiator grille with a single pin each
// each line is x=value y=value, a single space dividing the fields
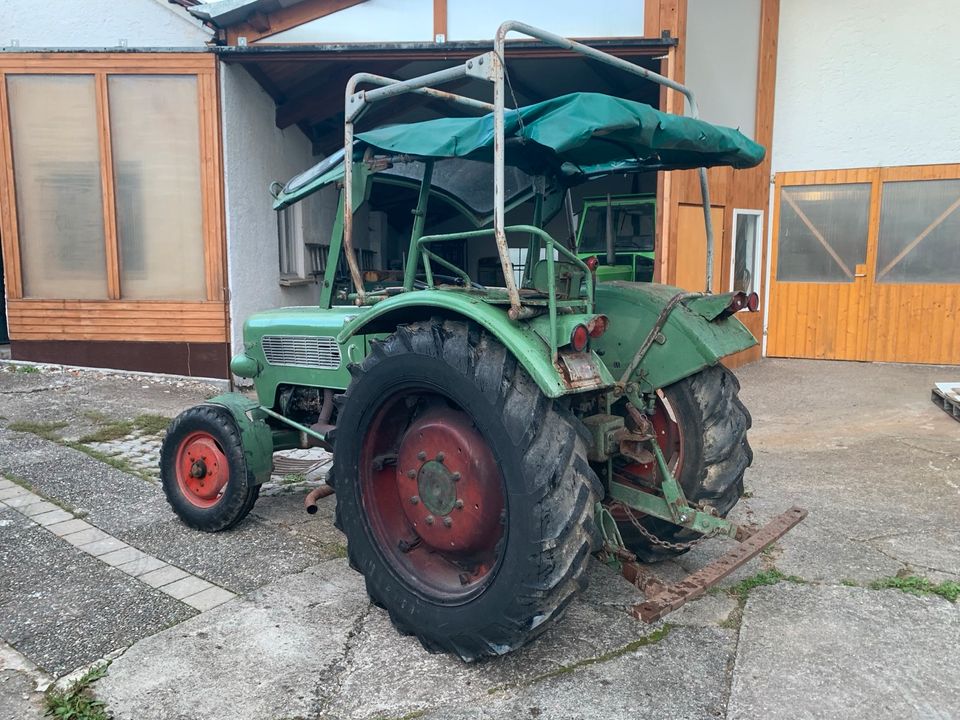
x=302 y=351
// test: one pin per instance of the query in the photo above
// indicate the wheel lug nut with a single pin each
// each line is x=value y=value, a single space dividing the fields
x=447 y=521
x=458 y=504
x=439 y=457
x=428 y=519
x=414 y=500
x=421 y=456
x=455 y=476
x=411 y=474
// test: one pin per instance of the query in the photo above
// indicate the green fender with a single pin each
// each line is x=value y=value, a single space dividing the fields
x=691 y=340
x=520 y=338
x=255 y=436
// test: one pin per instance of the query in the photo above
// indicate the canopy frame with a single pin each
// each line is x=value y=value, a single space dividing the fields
x=489 y=66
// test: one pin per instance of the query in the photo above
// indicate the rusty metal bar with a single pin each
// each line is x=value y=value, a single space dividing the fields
x=663 y=599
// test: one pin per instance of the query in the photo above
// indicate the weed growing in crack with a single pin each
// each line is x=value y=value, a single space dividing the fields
x=916 y=585
x=77 y=702
x=764 y=577
x=45 y=430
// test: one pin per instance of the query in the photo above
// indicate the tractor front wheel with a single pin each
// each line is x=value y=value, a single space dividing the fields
x=203 y=470
x=465 y=493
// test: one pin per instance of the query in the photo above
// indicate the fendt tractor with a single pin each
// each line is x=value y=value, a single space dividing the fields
x=489 y=439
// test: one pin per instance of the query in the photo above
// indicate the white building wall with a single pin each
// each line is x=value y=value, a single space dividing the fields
x=98 y=24
x=865 y=83
x=255 y=153
x=722 y=58
x=412 y=20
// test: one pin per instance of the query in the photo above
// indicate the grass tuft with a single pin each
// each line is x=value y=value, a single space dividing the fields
x=152 y=424
x=46 y=430
x=28 y=369
x=112 y=430
x=916 y=585
x=764 y=577
x=76 y=702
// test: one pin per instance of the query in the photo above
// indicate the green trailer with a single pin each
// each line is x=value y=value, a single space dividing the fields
x=487 y=441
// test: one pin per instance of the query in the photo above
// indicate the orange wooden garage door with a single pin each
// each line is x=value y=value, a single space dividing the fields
x=865 y=265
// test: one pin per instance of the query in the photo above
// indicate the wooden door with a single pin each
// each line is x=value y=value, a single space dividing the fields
x=865 y=265
x=691 y=251
x=915 y=300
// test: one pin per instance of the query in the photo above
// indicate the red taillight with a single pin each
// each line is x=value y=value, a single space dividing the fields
x=579 y=338
x=598 y=326
x=592 y=262
x=737 y=303
x=753 y=302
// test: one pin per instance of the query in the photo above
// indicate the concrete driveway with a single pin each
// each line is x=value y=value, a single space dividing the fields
x=268 y=622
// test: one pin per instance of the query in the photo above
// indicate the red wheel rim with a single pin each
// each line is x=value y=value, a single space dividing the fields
x=669 y=438
x=433 y=496
x=202 y=469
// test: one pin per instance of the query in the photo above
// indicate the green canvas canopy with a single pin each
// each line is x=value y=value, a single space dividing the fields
x=573 y=136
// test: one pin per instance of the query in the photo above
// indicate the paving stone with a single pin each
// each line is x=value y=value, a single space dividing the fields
x=84 y=537
x=77 y=614
x=142 y=566
x=187 y=586
x=69 y=526
x=209 y=598
x=4 y=484
x=52 y=518
x=25 y=498
x=163 y=576
x=13 y=491
x=809 y=651
x=122 y=556
x=37 y=508
x=270 y=654
x=102 y=547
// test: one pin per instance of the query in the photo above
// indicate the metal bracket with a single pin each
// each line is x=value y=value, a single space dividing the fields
x=481 y=66
x=355 y=106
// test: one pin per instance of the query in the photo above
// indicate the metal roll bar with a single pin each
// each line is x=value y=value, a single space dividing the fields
x=490 y=67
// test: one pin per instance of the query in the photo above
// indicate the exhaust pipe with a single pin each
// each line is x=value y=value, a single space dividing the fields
x=310 y=501
x=611 y=242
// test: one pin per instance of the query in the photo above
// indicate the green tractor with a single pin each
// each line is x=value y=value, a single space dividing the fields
x=488 y=441
x=619 y=230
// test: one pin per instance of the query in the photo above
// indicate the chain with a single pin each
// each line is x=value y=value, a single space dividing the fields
x=657 y=541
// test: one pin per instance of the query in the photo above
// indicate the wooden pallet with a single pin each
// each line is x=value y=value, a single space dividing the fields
x=946 y=396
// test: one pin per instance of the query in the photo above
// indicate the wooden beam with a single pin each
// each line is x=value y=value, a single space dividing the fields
x=284 y=19
x=440 y=21
x=107 y=189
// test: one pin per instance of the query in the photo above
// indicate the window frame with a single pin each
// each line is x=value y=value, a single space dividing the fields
x=757 y=254
x=101 y=66
x=290 y=224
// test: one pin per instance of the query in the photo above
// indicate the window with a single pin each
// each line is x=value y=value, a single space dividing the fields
x=155 y=137
x=53 y=124
x=748 y=236
x=107 y=177
x=919 y=232
x=823 y=232
x=290 y=236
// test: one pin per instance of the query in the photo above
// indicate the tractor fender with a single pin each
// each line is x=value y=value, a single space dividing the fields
x=255 y=436
x=519 y=338
x=692 y=338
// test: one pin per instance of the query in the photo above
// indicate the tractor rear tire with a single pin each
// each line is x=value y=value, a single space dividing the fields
x=465 y=493
x=714 y=455
x=204 y=472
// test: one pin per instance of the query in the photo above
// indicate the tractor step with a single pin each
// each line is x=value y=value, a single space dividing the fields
x=946 y=396
x=663 y=598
